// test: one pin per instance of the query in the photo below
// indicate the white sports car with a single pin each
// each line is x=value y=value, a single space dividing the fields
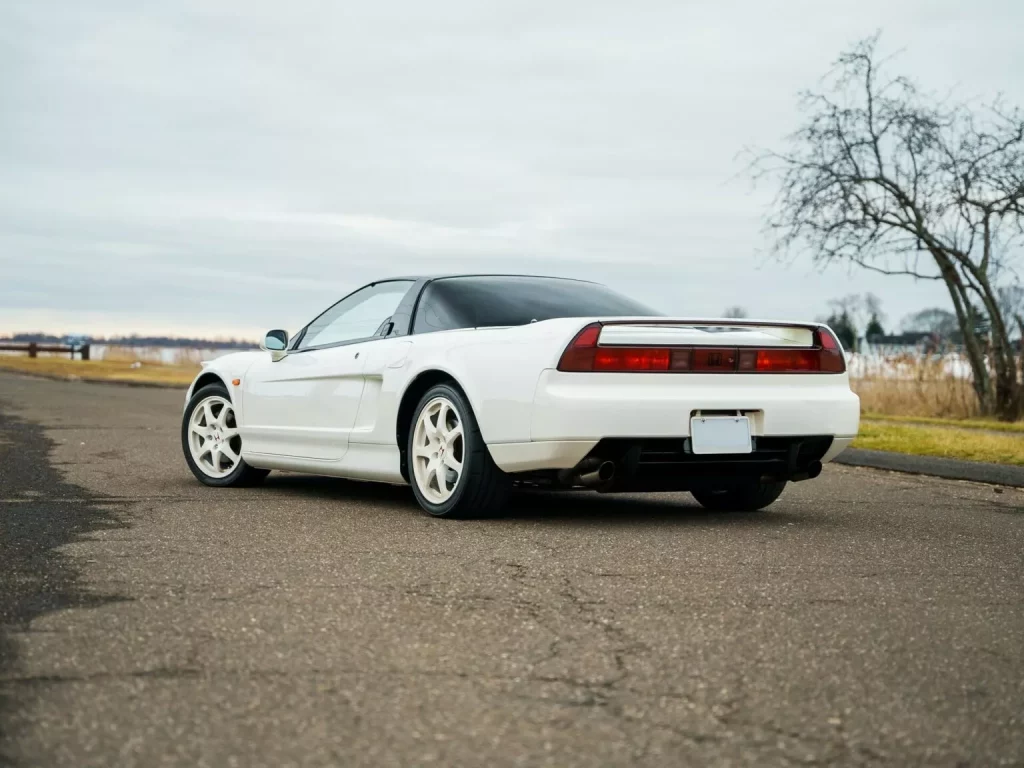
x=462 y=386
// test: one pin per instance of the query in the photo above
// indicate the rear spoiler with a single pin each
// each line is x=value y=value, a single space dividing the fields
x=705 y=333
x=706 y=321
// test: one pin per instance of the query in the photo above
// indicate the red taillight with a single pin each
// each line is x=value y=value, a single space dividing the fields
x=631 y=359
x=787 y=360
x=832 y=358
x=579 y=355
x=584 y=354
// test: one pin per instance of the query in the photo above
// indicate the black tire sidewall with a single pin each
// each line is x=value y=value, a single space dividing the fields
x=470 y=434
x=210 y=390
x=748 y=497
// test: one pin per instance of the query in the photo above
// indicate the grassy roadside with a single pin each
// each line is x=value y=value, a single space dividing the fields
x=101 y=370
x=988 y=424
x=923 y=440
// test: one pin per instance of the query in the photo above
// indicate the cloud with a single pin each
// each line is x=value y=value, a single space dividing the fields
x=241 y=164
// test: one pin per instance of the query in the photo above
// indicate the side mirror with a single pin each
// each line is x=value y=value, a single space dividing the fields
x=276 y=343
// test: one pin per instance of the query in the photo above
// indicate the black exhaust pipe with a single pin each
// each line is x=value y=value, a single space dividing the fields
x=813 y=470
x=600 y=476
x=590 y=473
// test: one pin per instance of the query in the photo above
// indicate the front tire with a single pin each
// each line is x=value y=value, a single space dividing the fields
x=744 y=497
x=450 y=469
x=211 y=442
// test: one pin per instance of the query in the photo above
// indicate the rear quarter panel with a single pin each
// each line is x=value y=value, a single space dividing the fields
x=497 y=368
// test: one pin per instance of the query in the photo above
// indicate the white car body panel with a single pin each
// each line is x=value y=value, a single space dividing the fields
x=304 y=405
x=334 y=411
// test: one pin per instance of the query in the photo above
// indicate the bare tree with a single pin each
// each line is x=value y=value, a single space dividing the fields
x=901 y=183
x=933 y=320
x=1011 y=301
x=737 y=312
x=852 y=304
x=873 y=306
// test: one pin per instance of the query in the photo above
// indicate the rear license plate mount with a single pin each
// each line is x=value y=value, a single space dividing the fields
x=720 y=435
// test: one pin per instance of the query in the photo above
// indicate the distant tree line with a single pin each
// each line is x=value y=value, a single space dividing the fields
x=132 y=341
x=859 y=317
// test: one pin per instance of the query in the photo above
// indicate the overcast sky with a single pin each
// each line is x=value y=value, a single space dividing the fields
x=219 y=168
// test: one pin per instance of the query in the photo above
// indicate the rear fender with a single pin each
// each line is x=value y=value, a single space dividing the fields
x=497 y=368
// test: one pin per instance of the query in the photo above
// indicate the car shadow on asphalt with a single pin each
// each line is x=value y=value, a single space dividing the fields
x=546 y=506
x=633 y=509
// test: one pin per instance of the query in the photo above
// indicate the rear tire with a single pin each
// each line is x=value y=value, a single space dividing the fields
x=744 y=497
x=450 y=469
x=212 y=445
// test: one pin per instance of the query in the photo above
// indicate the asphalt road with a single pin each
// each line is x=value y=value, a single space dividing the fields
x=866 y=618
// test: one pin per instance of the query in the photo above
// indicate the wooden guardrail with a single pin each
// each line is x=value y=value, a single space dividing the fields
x=33 y=349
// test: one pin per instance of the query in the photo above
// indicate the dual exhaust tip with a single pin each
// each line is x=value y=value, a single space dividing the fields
x=604 y=473
x=590 y=474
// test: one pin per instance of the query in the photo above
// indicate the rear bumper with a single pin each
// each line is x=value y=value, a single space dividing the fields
x=594 y=406
x=668 y=464
x=543 y=454
x=839 y=444
x=575 y=412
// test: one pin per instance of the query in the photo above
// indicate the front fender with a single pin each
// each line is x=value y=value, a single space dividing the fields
x=226 y=368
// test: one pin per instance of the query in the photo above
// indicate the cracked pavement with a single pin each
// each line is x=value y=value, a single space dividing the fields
x=866 y=618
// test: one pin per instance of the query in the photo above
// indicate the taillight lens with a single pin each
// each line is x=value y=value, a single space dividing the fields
x=631 y=359
x=832 y=358
x=579 y=355
x=786 y=360
x=584 y=354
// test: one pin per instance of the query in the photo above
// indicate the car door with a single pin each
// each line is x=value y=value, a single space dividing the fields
x=305 y=404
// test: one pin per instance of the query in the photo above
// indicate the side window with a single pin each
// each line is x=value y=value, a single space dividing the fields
x=435 y=312
x=358 y=316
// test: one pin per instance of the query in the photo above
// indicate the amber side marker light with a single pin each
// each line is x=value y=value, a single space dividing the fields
x=236 y=382
x=584 y=355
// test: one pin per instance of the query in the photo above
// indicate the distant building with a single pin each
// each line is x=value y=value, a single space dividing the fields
x=916 y=341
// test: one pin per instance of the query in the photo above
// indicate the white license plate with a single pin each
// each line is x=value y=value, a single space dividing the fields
x=720 y=434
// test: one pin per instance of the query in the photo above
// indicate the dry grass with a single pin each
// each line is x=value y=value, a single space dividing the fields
x=101 y=370
x=923 y=387
x=952 y=443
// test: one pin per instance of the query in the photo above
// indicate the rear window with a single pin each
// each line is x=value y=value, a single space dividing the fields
x=480 y=302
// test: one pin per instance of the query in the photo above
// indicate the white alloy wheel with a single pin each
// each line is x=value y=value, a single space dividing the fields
x=213 y=437
x=438 y=450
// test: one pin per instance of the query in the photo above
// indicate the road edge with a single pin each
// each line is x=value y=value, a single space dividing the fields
x=91 y=380
x=934 y=466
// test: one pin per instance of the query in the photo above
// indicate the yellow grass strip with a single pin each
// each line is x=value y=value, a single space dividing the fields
x=968 y=444
x=990 y=424
x=101 y=370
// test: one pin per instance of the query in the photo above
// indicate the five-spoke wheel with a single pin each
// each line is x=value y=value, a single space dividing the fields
x=438 y=450
x=211 y=440
x=450 y=469
x=213 y=437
